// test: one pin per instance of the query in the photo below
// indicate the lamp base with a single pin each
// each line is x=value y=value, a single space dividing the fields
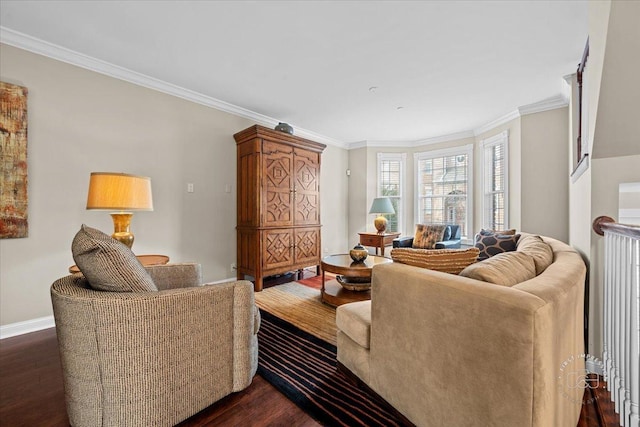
x=121 y=233
x=381 y=224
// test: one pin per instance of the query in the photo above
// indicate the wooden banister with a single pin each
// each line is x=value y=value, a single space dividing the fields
x=602 y=223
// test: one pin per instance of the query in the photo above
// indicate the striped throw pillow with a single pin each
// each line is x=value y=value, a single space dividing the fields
x=445 y=260
x=107 y=264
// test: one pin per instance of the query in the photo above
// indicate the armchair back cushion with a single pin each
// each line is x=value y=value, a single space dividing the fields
x=107 y=264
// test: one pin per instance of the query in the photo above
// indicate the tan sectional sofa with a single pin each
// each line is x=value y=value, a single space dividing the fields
x=445 y=349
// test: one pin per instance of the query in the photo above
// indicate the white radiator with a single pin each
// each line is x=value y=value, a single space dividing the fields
x=621 y=355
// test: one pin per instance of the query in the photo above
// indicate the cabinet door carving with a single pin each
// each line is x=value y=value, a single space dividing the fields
x=278 y=248
x=306 y=188
x=278 y=161
x=307 y=247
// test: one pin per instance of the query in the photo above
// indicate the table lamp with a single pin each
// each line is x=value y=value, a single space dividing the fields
x=380 y=206
x=121 y=192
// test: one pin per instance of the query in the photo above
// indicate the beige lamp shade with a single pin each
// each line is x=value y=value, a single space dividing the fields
x=119 y=191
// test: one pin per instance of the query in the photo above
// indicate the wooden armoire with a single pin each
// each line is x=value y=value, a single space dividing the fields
x=278 y=203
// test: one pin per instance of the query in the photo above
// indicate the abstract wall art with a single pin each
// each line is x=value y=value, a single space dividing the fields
x=13 y=161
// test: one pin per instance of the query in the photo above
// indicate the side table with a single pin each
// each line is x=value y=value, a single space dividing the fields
x=145 y=260
x=335 y=294
x=378 y=240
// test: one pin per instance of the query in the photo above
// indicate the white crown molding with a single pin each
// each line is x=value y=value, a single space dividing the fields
x=552 y=103
x=358 y=144
x=444 y=138
x=33 y=325
x=50 y=50
x=497 y=122
x=416 y=143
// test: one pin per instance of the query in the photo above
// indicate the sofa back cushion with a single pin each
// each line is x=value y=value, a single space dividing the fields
x=108 y=264
x=428 y=235
x=445 y=260
x=506 y=269
x=540 y=251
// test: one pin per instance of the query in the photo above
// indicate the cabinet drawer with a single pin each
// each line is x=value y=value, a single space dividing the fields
x=369 y=240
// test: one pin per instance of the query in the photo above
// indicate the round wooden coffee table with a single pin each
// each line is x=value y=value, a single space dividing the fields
x=356 y=277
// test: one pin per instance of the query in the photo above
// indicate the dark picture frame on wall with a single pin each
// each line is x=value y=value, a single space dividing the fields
x=581 y=141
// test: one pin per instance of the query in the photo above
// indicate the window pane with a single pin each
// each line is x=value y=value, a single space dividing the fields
x=390 y=185
x=442 y=188
x=495 y=184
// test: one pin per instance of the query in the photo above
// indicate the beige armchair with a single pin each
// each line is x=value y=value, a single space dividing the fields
x=153 y=358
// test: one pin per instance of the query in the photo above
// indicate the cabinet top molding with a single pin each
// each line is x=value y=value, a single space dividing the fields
x=258 y=131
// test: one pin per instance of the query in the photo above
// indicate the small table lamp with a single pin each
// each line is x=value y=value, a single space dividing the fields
x=123 y=192
x=381 y=205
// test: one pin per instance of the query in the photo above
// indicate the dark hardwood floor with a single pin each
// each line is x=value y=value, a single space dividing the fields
x=31 y=394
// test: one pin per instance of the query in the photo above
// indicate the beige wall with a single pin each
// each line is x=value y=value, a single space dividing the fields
x=544 y=173
x=81 y=121
x=357 y=194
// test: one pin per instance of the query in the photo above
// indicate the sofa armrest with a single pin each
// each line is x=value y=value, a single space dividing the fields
x=455 y=332
x=174 y=276
x=403 y=242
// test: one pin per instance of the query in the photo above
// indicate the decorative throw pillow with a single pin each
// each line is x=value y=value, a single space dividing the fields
x=446 y=260
x=509 y=232
x=428 y=235
x=506 y=269
x=107 y=264
x=540 y=251
x=493 y=244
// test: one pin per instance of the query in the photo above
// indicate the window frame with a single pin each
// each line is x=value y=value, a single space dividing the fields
x=487 y=145
x=448 y=152
x=402 y=159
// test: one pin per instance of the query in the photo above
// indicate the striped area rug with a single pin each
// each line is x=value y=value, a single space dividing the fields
x=303 y=368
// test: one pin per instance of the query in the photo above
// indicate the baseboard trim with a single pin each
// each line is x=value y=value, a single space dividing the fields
x=27 y=326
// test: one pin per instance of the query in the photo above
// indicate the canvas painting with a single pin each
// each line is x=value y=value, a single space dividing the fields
x=13 y=161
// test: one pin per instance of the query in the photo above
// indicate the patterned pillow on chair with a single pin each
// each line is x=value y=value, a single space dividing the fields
x=428 y=235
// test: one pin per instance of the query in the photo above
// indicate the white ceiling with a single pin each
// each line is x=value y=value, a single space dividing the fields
x=452 y=65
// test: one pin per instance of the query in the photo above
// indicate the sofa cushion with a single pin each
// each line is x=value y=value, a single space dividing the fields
x=446 y=260
x=107 y=264
x=491 y=244
x=506 y=269
x=354 y=319
x=540 y=251
x=428 y=235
